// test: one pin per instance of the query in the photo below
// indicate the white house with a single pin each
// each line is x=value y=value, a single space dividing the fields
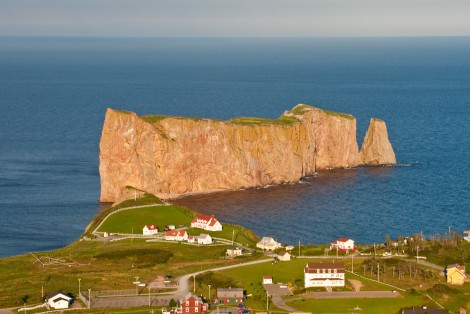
x=191 y=239
x=205 y=222
x=324 y=275
x=176 y=235
x=234 y=252
x=268 y=243
x=204 y=239
x=284 y=256
x=267 y=280
x=343 y=245
x=58 y=300
x=150 y=230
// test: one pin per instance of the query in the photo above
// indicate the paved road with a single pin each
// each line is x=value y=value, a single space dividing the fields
x=184 y=288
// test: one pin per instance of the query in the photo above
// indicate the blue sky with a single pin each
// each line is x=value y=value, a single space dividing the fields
x=234 y=18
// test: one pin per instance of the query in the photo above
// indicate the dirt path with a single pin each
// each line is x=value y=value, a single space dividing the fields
x=356 y=284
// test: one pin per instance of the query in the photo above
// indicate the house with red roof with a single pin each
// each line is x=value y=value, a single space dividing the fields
x=343 y=245
x=150 y=230
x=192 y=304
x=176 y=235
x=455 y=274
x=206 y=222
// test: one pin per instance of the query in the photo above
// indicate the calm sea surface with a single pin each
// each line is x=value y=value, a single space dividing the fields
x=54 y=93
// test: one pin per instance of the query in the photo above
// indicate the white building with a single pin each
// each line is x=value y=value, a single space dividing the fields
x=58 y=300
x=343 y=245
x=324 y=275
x=204 y=239
x=234 y=252
x=284 y=256
x=205 y=222
x=176 y=235
x=267 y=280
x=268 y=243
x=150 y=230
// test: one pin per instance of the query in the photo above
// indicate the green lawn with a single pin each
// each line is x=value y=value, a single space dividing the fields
x=133 y=220
x=238 y=233
x=372 y=306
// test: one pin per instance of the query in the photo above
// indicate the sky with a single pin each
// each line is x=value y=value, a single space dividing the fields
x=240 y=18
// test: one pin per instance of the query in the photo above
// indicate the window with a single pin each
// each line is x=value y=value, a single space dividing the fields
x=187 y=303
x=334 y=271
x=318 y=271
x=196 y=309
x=187 y=309
x=329 y=271
x=195 y=303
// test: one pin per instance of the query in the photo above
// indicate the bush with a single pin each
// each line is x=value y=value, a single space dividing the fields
x=442 y=289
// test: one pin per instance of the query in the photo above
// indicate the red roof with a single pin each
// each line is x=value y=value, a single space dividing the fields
x=151 y=227
x=343 y=240
x=267 y=277
x=202 y=217
x=174 y=233
x=213 y=222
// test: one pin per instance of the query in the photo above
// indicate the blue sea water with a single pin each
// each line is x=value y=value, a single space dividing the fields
x=54 y=93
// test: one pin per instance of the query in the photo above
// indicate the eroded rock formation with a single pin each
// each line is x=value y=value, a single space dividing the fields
x=172 y=156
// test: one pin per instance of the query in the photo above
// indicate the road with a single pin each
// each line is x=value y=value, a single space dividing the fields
x=183 y=287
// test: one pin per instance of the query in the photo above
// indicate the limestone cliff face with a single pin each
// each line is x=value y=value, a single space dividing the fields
x=172 y=156
x=376 y=148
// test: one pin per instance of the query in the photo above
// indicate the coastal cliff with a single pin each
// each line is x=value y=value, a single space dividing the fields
x=173 y=156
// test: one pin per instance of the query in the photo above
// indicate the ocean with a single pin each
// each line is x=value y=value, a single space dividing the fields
x=54 y=93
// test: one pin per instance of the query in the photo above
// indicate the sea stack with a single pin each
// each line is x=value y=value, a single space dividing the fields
x=376 y=148
x=174 y=156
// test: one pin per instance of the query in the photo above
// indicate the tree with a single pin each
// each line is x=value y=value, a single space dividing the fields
x=172 y=303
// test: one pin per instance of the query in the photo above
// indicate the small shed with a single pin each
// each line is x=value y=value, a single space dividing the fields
x=284 y=256
x=267 y=280
x=58 y=300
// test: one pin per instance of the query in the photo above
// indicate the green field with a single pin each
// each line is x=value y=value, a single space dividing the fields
x=133 y=220
x=368 y=306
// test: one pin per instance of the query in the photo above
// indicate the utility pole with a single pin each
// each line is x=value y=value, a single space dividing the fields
x=209 y=293
x=299 y=247
x=194 y=284
x=79 y=279
x=89 y=298
x=352 y=263
x=233 y=236
x=378 y=271
x=42 y=292
x=149 y=294
x=267 y=302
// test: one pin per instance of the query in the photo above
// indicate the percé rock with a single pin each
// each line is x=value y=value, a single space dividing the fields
x=376 y=148
x=173 y=156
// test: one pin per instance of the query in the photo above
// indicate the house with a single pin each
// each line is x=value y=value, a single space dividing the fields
x=191 y=239
x=58 y=300
x=150 y=230
x=284 y=256
x=234 y=252
x=268 y=243
x=192 y=304
x=205 y=222
x=343 y=245
x=324 y=275
x=230 y=295
x=267 y=280
x=423 y=310
x=455 y=274
x=204 y=239
x=467 y=238
x=176 y=235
